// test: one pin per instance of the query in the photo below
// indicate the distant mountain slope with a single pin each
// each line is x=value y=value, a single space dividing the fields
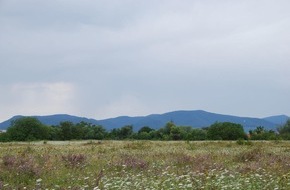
x=119 y=122
x=7 y=123
x=51 y=120
x=196 y=118
x=278 y=119
x=56 y=119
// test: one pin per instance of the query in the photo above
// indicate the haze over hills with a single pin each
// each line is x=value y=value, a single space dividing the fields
x=195 y=118
x=278 y=119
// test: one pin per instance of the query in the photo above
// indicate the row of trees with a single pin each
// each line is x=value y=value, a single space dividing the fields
x=30 y=129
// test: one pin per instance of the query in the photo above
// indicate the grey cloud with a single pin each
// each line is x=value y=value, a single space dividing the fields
x=161 y=55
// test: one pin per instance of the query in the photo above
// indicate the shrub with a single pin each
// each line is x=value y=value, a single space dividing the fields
x=252 y=155
x=225 y=131
x=74 y=160
x=22 y=164
x=131 y=162
x=241 y=141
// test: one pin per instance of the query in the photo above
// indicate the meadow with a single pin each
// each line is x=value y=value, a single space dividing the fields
x=145 y=165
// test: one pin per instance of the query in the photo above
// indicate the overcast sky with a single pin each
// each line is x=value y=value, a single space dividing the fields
x=106 y=58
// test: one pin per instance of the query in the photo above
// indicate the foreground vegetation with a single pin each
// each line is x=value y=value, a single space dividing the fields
x=145 y=165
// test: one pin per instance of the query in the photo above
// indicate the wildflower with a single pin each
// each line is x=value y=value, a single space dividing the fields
x=39 y=180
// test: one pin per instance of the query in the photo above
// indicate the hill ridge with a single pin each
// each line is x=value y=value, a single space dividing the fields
x=193 y=118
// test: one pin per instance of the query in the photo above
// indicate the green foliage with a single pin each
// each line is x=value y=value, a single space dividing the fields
x=284 y=130
x=66 y=130
x=125 y=132
x=145 y=129
x=196 y=135
x=260 y=133
x=27 y=129
x=175 y=133
x=145 y=133
x=225 y=131
x=144 y=136
x=30 y=129
x=98 y=132
x=169 y=132
x=4 y=137
x=241 y=141
x=82 y=130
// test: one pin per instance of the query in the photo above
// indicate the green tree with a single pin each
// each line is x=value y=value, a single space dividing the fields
x=126 y=132
x=99 y=132
x=196 y=135
x=155 y=135
x=225 y=131
x=80 y=130
x=114 y=134
x=168 y=127
x=3 y=137
x=143 y=136
x=284 y=130
x=27 y=129
x=145 y=133
x=168 y=132
x=176 y=133
x=66 y=130
x=145 y=129
x=55 y=133
x=260 y=133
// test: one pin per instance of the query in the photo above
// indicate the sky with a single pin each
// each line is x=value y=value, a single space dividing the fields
x=107 y=58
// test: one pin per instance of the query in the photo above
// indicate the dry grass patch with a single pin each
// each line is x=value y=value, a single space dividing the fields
x=145 y=165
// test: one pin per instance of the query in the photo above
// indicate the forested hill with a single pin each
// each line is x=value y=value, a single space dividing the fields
x=196 y=119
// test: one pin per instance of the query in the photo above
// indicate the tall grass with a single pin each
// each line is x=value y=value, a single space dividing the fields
x=145 y=165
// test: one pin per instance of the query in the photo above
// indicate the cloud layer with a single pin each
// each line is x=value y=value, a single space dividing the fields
x=108 y=58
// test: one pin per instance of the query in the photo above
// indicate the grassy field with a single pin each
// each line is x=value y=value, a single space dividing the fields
x=145 y=165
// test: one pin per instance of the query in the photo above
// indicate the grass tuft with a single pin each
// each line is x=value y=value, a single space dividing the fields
x=74 y=160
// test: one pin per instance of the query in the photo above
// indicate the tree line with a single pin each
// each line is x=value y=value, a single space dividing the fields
x=31 y=129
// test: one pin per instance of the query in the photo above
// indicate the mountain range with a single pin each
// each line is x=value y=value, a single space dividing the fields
x=194 y=118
